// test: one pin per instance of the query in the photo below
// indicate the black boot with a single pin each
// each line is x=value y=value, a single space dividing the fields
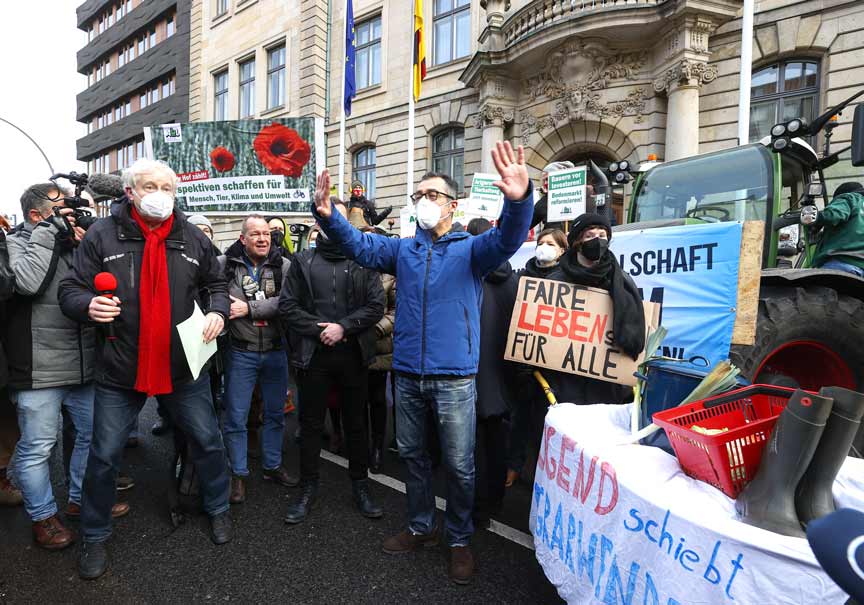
x=769 y=500
x=363 y=500
x=302 y=506
x=221 y=528
x=813 y=498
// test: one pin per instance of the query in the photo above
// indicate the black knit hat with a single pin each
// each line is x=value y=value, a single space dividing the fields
x=848 y=187
x=586 y=221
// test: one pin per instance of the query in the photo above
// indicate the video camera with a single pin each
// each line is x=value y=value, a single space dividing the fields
x=82 y=219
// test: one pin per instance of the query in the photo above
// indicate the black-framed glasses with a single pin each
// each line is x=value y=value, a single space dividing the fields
x=431 y=194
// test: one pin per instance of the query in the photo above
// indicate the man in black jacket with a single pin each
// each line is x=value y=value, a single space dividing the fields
x=331 y=306
x=256 y=353
x=164 y=267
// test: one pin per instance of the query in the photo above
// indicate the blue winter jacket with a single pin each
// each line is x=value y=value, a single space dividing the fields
x=439 y=286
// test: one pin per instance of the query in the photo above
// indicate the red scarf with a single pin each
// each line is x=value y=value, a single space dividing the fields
x=154 y=300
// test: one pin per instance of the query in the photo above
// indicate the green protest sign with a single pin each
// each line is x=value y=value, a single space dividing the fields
x=566 y=196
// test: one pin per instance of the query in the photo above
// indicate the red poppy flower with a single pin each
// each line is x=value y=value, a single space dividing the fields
x=282 y=150
x=221 y=159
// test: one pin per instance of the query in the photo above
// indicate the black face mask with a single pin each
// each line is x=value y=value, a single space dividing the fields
x=594 y=249
x=277 y=237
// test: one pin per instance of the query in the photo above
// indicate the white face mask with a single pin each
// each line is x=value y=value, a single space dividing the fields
x=157 y=205
x=428 y=214
x=546 y=253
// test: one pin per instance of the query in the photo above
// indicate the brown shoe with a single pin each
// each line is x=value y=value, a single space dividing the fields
x=405 y=541
x=120 y=509
x=9 y=496
x=281 y=476
x=461 y=564
x=51 y=534
x=238 y=490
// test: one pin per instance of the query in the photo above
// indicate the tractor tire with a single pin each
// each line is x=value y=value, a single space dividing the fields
x=811 y=335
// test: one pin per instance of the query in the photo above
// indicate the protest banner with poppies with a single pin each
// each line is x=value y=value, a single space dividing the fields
x=240 y=166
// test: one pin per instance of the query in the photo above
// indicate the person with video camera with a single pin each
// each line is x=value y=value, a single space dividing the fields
x=54 y=360
x=162 y=267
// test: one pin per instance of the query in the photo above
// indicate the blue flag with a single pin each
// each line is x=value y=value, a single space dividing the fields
x=350 y=53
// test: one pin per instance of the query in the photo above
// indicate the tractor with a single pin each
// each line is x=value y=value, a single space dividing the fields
x=810 y=327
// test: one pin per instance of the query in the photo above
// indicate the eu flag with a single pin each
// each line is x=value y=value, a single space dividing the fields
x=350 y=80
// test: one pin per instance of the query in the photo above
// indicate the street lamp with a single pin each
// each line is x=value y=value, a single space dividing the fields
x=50 y=167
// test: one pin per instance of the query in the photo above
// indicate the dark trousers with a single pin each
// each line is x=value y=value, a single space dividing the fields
x=378 y=406
x=340 y=365
x=190 y=408
x=491 y=474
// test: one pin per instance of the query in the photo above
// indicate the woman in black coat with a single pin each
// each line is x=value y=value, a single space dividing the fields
x=529 y=402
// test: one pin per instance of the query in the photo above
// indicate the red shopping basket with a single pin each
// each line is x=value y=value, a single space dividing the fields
x=728 y=460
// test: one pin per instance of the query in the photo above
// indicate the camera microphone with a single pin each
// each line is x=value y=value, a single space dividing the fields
x=106 y=185
x=105 y=283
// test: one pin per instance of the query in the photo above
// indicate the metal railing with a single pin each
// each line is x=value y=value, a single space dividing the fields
x=541 y=14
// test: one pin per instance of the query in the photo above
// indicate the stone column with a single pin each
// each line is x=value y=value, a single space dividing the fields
x=491 y=119
x=681 y=83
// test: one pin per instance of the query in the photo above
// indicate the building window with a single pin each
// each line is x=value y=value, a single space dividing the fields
x=152 y=38
x=139 y=149
x=781 y=92
x=220 y=95
x=169 y=27
x=451 y=30
x=448 y=153
x=276 y=77
x=363 y=165
x=247 y=88
x=367 y=66
x=221 y=7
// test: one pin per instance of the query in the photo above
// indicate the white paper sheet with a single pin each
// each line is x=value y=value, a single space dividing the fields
x=192 y=336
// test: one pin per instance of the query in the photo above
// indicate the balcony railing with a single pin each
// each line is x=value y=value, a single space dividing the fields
x=541 y=14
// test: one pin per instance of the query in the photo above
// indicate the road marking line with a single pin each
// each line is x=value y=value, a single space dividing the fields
x=500 y=529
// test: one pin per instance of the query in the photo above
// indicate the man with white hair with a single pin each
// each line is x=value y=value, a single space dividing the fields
x=163 y=267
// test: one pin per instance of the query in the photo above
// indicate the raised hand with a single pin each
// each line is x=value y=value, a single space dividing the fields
x=511 y=168
x=322 y=195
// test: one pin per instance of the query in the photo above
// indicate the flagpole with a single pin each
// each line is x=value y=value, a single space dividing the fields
x=342 y=106
x=410 y=171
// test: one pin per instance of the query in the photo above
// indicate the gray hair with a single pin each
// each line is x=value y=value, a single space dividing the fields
x=556 y=166
x=244 y=228
x=39 y=197
x=143 y=165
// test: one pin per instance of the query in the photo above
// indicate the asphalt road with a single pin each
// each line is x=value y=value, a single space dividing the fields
x=334 y=557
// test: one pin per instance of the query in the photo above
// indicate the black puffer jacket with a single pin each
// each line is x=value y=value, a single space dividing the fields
x=116 y=245
x=297 y=307
x=495 y=377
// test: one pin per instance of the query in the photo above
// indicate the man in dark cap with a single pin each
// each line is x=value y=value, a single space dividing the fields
x=589 y=262
x=361 y=211
x=841 y=246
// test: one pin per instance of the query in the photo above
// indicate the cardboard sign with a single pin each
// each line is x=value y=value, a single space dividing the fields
x=566 y=195
x=568 y=328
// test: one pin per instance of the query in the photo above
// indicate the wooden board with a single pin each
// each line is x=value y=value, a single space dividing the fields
x=749 y=276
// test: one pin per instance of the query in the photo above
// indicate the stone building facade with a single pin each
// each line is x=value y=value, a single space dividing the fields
x=592 y=79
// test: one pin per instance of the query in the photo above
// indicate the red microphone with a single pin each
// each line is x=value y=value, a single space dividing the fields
x=105 y=283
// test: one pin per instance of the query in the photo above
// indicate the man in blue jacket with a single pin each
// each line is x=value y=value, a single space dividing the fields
x=437 y=337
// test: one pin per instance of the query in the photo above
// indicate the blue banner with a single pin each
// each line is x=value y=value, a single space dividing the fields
x=692 y=270
x=350 y=54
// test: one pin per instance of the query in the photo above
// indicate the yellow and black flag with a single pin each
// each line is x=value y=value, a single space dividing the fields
x=419 y=72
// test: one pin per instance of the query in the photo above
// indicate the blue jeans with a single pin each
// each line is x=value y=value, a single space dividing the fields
x=839 y=265
x=190 y=408
x=452 y=402
x=244 y=369
x=39 y=422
